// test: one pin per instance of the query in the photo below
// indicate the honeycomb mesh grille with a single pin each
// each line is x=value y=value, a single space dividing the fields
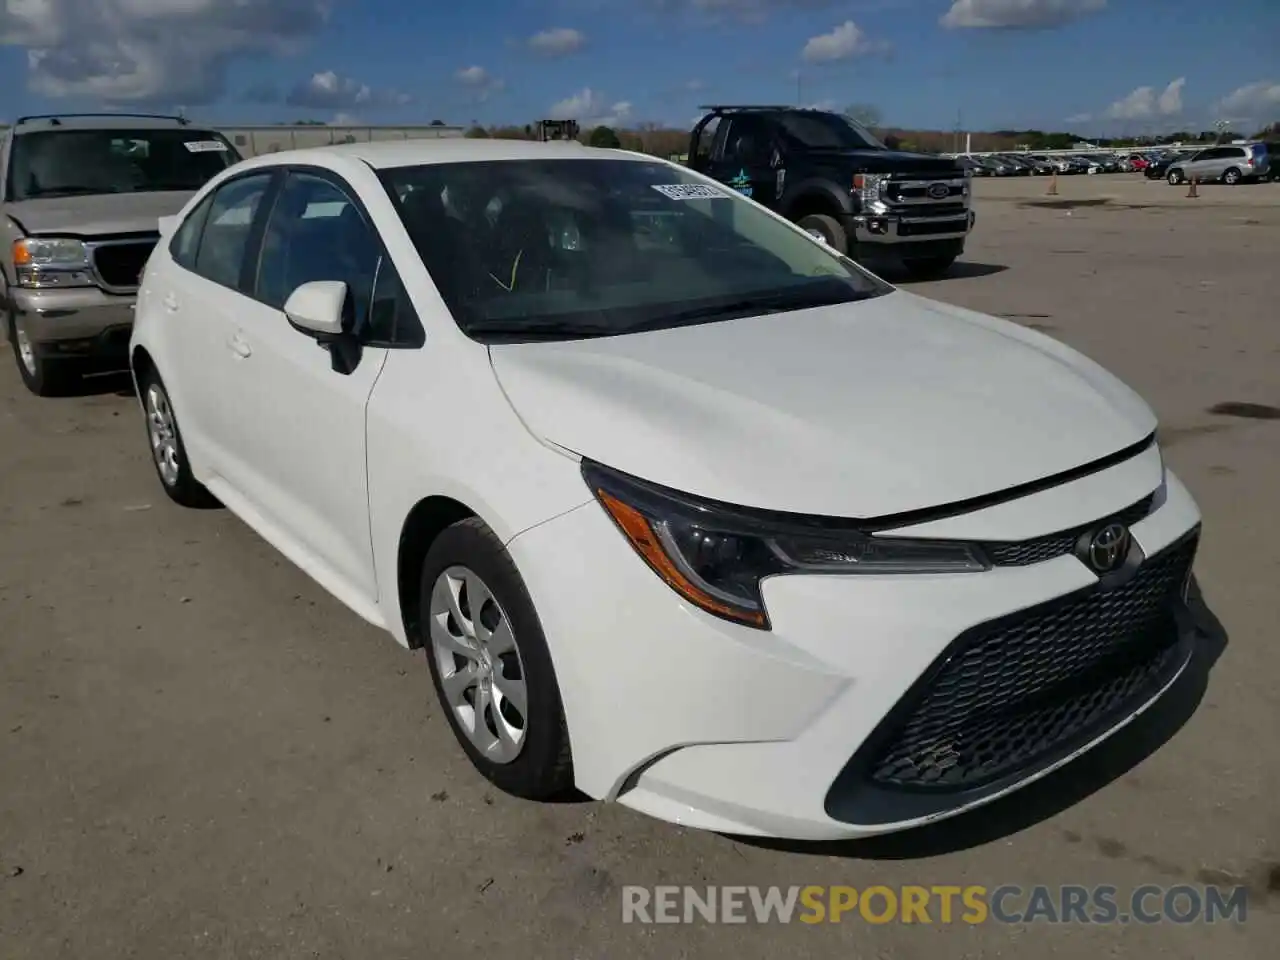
x=1053 y=545
x=1015 y=689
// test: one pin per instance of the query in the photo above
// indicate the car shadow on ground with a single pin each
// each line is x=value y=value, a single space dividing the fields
x=960 y=270
x=1058 y=791
x=110 y=382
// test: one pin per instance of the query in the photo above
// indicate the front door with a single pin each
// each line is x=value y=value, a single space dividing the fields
x=302 y=418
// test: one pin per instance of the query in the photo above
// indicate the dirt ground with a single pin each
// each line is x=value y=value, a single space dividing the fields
x=203 y=755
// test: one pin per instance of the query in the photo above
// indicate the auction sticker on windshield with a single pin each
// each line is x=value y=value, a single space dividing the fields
x=689 y=191
x=206 y=146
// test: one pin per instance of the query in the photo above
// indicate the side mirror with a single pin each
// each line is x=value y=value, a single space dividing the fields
x=317 y=308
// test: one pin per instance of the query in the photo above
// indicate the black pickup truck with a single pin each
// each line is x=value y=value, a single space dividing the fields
x=834 y=179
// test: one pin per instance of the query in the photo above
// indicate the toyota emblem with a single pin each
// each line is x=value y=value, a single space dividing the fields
x=939 y=191
x=1108 y=548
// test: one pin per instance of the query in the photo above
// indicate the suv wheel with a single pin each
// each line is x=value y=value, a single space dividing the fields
x=168 y=453
x=42 y=376
x=490 y=664
x=1232 y=177
x=827 y=229
x=1175 y=177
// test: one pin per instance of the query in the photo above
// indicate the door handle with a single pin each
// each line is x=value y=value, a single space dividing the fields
x=239 y=346
x=170 y=303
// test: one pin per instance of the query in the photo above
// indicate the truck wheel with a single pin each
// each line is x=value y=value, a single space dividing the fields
x=927 y=268
x=827 y=229
x=42 y=376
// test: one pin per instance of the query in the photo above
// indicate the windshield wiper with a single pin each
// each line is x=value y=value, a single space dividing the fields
x=537 y=330
x=70 y=192
x=747 y=307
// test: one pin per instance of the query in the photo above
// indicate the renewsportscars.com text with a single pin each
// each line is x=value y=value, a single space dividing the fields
x=939 y=904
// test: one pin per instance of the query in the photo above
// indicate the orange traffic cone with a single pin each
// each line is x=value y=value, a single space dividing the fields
x=1053 y=185
x=1191 y=190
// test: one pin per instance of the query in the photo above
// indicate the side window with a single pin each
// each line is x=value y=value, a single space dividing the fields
x=315 y=232
x=186 y=239
x=747 y=142
x=226 y=230
x=1235 y=153
x=392 y=318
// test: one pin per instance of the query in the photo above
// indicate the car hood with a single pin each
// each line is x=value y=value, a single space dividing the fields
x=860 y=410
x=889 y=161
x=97 y=215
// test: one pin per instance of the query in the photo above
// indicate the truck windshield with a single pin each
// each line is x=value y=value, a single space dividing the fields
x=828 y=131
x=62 y=163
x=573 y=248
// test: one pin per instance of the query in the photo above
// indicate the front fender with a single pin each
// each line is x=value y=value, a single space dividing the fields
x=813 y=188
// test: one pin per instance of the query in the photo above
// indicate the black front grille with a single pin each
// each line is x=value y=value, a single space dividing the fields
x=1013 y=691
x=120 y=264
x=1038 y=550
x=928 y=228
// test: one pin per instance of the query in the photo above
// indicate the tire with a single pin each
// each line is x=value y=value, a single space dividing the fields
x=927 y=268
x=168 y=452
x=534 y=760
x=1232 y=177
x=826 y=228
x=1174 y=177
x=43 y=376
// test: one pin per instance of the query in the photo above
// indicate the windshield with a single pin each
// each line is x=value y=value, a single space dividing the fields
x=61 y=163
x=827 y=131
x=566 y=249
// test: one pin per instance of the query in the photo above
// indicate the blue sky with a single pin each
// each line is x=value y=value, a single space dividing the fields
x=1094 y=66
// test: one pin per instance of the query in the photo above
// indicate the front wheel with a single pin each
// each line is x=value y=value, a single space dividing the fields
x=490 y=664
x=928 y=268
x=43 y=376
x=1175 y=177
x=827 y=229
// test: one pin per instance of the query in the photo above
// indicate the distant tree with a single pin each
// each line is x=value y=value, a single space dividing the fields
x=437 y=123
x=1269 y=132
x=309 y=123
x=477 y=133
x=603 y=136
x=866 y=114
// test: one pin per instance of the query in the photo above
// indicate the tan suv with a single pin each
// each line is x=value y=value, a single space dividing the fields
x=80 y=196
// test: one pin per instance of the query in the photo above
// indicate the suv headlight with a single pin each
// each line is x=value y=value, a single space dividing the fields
x=51 y=262
x=869 y=188
x=716 y=556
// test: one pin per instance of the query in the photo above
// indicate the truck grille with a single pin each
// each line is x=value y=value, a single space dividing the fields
x=120 y=264
x=1013 y=691
x=932 y=227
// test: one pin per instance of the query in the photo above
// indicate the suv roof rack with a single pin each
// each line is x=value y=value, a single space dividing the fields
x=743 y=107
x=55 y=119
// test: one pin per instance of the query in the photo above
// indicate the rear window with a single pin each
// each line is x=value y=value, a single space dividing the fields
x=71 y=162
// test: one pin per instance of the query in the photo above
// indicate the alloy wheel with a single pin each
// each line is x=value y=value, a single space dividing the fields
x=26 y=352
x=163 y=432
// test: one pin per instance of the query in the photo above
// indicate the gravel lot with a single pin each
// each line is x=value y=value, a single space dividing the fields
x=203 y=755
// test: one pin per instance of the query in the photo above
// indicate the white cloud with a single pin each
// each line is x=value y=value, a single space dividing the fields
x=557 y=42
x=329 y=91
x=481 y=82
x=1144 y=103
x=842 y=43
x=160 y=51
x=592 y=109
x=1254 y=101
x=1017 y=14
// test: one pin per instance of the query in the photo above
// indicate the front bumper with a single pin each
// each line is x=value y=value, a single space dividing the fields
x=75 y=321
x=897 y=229
x=710 y=725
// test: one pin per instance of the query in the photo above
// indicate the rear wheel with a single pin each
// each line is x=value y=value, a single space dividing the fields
x=825 y=228
x=41 y=375
x=1232 y=177
x=927 y=268
x=490 y=664
x=1174 y=177
x=168 y=452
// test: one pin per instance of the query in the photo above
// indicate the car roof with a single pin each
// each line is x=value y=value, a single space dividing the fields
x=102 y=122
x=385 y=154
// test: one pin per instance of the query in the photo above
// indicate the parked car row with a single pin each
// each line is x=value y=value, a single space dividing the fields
x=1226 y=163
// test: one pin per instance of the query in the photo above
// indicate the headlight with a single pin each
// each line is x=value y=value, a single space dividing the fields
x=716 y=555
x=870 y=188
x=51 y=261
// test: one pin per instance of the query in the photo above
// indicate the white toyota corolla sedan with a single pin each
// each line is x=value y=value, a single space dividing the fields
x=687 y=510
